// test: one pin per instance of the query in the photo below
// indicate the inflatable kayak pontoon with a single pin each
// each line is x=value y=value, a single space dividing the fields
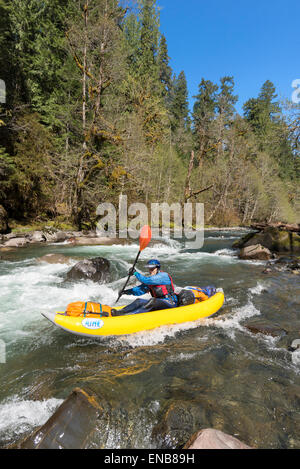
x=130 y=324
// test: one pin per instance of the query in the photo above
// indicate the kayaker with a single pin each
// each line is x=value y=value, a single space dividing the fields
x=159 y=284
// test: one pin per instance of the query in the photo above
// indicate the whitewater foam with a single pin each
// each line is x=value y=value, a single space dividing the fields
x=258 y=289
x=21 y=416
x=232 y=322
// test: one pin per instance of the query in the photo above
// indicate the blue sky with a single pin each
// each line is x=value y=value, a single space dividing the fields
x=253 y=40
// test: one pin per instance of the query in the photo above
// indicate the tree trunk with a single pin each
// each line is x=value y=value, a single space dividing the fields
x=187 y=191
x=80 y=171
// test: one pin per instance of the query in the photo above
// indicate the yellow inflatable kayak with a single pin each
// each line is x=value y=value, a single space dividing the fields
x=130 y=324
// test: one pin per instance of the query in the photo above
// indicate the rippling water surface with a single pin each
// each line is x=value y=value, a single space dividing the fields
x=244 y=384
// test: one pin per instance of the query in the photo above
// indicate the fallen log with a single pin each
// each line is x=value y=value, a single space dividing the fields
x=293 y=227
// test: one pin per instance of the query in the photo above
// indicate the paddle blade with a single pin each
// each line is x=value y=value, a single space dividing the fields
x=145 y=237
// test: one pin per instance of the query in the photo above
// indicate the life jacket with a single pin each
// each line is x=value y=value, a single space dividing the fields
x=163 y=291
x=87 y=309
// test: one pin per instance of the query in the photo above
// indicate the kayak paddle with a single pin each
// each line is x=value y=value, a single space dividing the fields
x=145 y=238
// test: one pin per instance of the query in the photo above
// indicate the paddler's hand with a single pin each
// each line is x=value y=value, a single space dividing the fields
x=131 y=271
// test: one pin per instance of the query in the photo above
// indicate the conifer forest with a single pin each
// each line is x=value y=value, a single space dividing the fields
x=93 y=110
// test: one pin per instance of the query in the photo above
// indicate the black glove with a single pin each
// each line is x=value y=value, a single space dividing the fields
x=131 y=271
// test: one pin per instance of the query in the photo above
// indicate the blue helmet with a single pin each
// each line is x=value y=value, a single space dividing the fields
x=153 y=264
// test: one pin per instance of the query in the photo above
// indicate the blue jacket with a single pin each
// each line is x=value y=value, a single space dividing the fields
x=162 y=278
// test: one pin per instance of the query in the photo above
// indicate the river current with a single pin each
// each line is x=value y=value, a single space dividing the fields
x=246 y=384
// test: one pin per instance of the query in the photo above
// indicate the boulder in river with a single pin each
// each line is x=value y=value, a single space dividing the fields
x=266 y=329
x=274 y=239
x=283 y=264
x=256 y=252
x=214 y=439
x=70 y=427
x=178 y=422
x=97 y=269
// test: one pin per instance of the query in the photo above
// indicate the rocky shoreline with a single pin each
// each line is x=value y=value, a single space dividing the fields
x=53 y=236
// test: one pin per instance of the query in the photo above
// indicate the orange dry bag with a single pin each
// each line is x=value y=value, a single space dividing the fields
x=87 y=309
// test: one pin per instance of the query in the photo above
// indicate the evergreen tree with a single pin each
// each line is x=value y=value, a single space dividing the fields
x=226 y=98
x=179 y=103
x=132 y=38
x=165 y=71
x=149 y=19
x=261 y=112
x=205 y=106
x=265 y=117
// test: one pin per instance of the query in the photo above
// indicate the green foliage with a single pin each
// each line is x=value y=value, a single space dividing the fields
x=165 y=71
x=94 y=110
x=32 y=176
x=179 y=106
x=149 y=41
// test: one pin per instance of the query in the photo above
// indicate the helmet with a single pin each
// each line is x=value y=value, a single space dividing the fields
x=153 y=264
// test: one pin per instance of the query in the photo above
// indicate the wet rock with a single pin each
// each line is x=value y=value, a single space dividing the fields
x=55 y=259
x=241 y=243
x=267 y=270
x=274 y=239
x=256 y=252
x=37 y=237
x=62 y=236
x=16 y=242
x=292 y=264
x=177 y=424
x=295 y=345
x=4 y=228
x=70 y=427
x=53 y=235
x=284 y=264
x=97 y=269
x=214 y=439
x=266 y=329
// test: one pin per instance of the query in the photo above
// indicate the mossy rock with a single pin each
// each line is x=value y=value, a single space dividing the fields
x=240 y=243
x=273 y=239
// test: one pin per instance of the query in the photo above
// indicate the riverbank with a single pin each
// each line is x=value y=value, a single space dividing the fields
x=49 y=234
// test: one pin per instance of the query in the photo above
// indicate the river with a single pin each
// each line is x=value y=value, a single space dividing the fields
x=229 y=378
